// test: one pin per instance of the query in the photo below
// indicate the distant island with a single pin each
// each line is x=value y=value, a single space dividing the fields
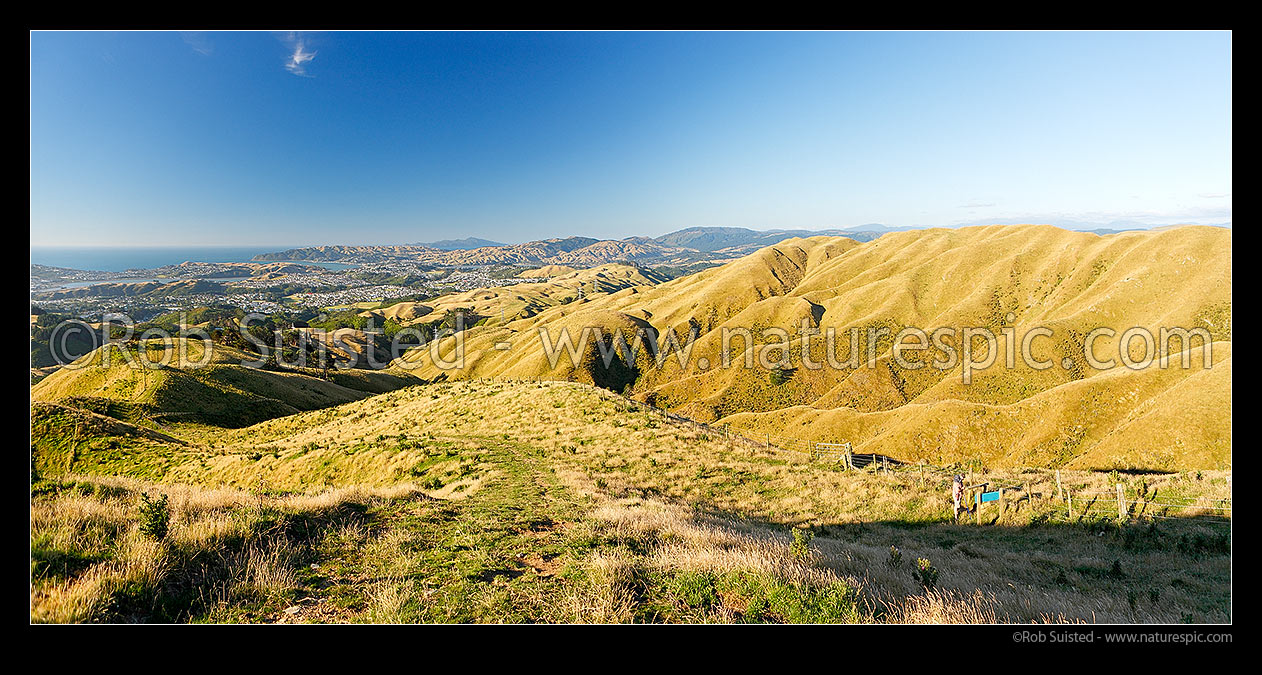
x=460 y=244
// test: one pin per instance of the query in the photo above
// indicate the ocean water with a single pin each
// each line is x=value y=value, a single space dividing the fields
x=118 y=259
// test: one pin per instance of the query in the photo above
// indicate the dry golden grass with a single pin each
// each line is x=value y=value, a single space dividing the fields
x=609 y=596
x=138 y=565
x=983 y=581
x=387 y=600
x=225 y=530
x=545 y=272
x=944 y=608
x=523 y=300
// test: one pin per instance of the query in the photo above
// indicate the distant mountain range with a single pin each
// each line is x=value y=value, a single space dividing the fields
x=686 y=246
x=694 y=244
x=744 y=239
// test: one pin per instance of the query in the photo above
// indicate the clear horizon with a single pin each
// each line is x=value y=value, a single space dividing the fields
x=277 y=140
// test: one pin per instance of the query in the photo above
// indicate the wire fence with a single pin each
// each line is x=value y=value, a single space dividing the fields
x=1130 y=503
x=1078 y=505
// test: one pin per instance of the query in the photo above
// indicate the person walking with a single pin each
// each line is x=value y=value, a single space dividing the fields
x=957 y=494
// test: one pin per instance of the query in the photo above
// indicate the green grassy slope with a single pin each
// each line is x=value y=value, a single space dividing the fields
x=222 y=392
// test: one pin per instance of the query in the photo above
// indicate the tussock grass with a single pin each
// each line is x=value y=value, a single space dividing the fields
x=227 y=549
x=945 y=608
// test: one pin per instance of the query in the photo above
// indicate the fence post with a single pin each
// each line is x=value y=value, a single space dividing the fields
x=1121 y=503
x=1060 y=492
x=977 y=506
x=1069 y=499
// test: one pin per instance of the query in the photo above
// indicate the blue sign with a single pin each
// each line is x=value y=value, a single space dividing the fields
x=990 y=496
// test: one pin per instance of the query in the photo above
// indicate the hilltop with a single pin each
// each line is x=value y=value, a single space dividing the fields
x=561 y=285
x=222 y=393
x=145 y=288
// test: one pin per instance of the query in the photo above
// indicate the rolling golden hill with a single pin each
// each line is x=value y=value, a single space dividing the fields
x=546 y=271
x=223 y=392
x=563 y=285
x=1008 y=279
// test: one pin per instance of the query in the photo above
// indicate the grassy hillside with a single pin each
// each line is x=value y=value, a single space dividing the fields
x=522 y=300
x=475 y=501
x=547 y=271
x=222 y=393
x=65 y=439
x=43 y=326
x=998 y=277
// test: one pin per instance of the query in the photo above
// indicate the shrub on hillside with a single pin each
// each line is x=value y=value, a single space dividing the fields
x=925 y=573
x=800 y=549
x=155 y=516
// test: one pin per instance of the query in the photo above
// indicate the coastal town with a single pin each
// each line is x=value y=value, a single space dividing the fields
x=266 y=287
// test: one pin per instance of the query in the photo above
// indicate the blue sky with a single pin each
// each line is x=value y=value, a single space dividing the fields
x=266 y=138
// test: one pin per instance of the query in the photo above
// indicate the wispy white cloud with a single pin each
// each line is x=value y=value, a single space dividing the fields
x=977 y=205
x=1214 y=195
x=299 y=54
x=198 y=42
